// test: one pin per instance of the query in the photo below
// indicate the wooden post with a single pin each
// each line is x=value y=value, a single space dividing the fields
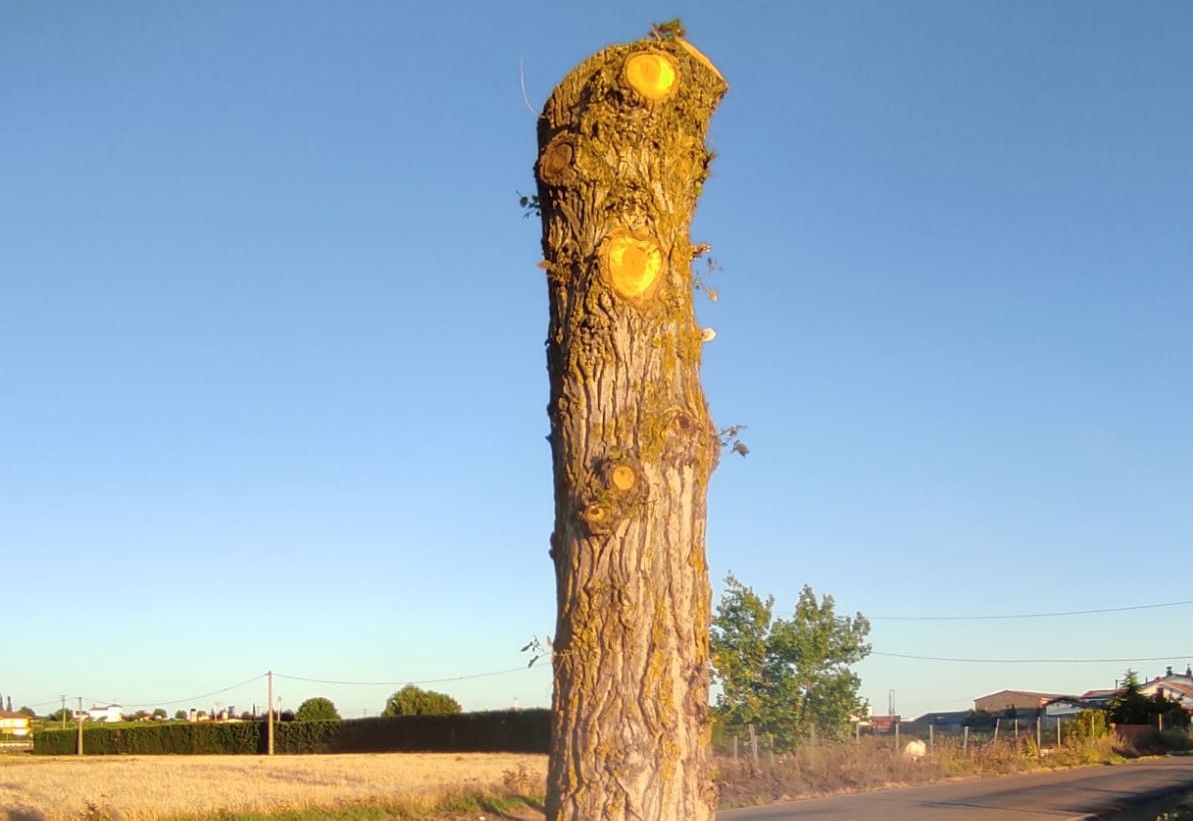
x=1039 y=742
x=931 y=737
x=896 y=735
x=857 y=733
x=997 y=723
x=735 y=747
x=80 y=717
x=965 y=739
x=1059 y=721
x=754 y=746
x=621 y=165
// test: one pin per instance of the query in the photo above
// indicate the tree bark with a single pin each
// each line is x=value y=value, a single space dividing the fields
x=622 y=161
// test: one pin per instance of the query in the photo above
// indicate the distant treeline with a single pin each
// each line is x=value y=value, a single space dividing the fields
x=513 y=731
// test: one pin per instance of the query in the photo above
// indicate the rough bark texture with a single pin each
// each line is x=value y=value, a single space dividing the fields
x=632 y=441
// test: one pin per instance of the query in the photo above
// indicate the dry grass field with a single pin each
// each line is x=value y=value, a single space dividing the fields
x=138 y=788
x=455 y=786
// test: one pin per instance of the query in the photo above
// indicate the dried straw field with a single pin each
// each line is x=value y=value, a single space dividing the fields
x=138 y=788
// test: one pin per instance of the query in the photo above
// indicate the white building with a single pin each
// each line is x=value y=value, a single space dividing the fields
x=14 y=724
x=109 y=713
x=1172 y=686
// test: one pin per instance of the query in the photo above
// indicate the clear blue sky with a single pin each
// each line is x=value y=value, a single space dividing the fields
x=272 y=382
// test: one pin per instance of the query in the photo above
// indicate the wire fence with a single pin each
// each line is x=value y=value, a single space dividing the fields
x=1042 y=734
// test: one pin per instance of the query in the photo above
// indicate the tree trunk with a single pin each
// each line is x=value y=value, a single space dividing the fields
x=621 y=165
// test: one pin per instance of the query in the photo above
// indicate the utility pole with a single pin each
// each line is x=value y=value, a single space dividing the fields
x=269 y=714
x=890 y=708
x=80 y=744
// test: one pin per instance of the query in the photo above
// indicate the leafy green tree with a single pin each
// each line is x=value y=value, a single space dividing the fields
x=28 y=712
x=317 y=709
x=414 y=701
x=1173 y=712
x=180 y=715
x=740 y=648
x=159 y=713
x=788 y=677
x=1131 y=706
x=60 y=715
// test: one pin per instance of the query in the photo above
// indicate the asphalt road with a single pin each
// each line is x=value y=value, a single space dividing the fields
x=1069 y=794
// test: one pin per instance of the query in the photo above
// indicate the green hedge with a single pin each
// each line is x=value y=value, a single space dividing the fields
x=155 y=739
x=523 y=731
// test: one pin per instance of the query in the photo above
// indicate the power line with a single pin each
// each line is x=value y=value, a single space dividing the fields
x=407 y=681
x=45 y=703
x=181 y=700
x=260 y=676
x=1028 y=661
x=390 y=684
x=202 y=695
x=1042 y=615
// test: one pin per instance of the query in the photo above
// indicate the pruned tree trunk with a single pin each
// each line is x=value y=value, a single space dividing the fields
x=621 y=165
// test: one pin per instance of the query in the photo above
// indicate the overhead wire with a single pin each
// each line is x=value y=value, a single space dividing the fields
x=258 y=677
x=1028 y=661
x=521 y=668
x=1039 y=615
x=172 y=702
x=407 y=681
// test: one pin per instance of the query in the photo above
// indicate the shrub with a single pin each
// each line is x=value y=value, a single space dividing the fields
x=1159 y=742
x=317 y=709
x=414 y=701
x=1086 y=725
